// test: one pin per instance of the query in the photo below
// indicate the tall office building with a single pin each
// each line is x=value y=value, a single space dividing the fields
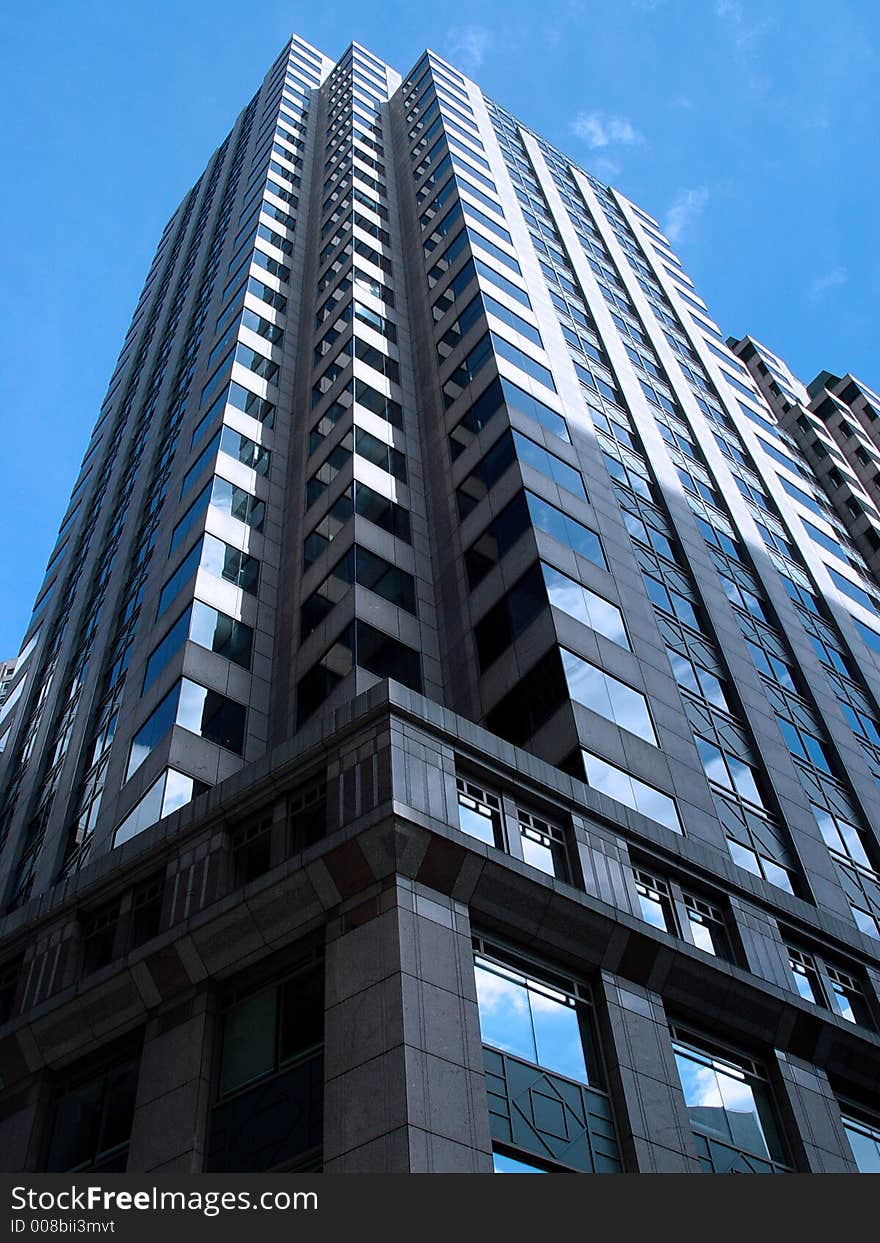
x=444 y=739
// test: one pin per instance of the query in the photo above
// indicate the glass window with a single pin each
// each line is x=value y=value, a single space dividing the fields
x=169 y=791
x=206 y=713
x=209 y=451
x=222 y=634
x=725 y=769
x=864 y=1140
x=209 y=628
x=153 y=730
x=532 y=1021
x=242 y=449
x=190 y=518
x=655 y=902
x=549 y=464
x=848 y=997
x=211 y=715
x=92 y=1119
x=479 y=813
x=584 y=605
x=627 y=789
x=229 y=499
x=248 y=1050
x=568 y=531
x=181 y=575
x=730 y=1109
x=602 y=693
x=504 y=1164
x=267 y=1031
x=164 y=651
x=708 y=927
x=543 y=844
x=805 y=976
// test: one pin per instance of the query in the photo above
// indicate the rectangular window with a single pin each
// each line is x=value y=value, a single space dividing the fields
x=212 y=716
x=871 y=637
x=655 y=902
x=99 y=937
x=92 y=1118
x=731 y=1111
x=864 y=1140
x=610 y=698
x=363 y=645
x=206 y=713
x=199 y=465
x=630 y=791
x=251 y=851
x=543 y=1069
x=584 y=605
x=170 y=791
x=190 y=518
x=708 y=927
x=217 y=558
x=479 y=813
x=146 y=911
x=229 y=499
x=264 y=1033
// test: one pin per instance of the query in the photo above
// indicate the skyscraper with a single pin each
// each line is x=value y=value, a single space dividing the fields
x=442 y=740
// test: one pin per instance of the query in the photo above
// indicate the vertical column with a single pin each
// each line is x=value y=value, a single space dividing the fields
x=168 y=1133
x=404 y=1087
x=812 y=1115
x=766 y=955
x=655 y=1134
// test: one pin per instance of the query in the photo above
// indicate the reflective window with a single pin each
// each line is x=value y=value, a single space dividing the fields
x=209 y=628
x=627 y=789
x=805 y=976
x=727 y=770
x=708 y=927
x=579 y=602
x=504 y=1164
x=543 y=844
x=211 y=715
x=169 y=791
x=604 y=694
x=729 y=1104
x=864 y=1140
x=479 y=813
x=655 y=902
x=206 y=713
x=531 y=1020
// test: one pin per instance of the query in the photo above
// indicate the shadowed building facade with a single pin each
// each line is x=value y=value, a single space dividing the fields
x=440 y=743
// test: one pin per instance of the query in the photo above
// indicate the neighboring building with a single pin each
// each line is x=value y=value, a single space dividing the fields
x=7 y=669
x=832 y=423
x=593 y=882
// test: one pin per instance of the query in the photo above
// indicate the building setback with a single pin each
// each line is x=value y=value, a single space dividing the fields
x=445 y=739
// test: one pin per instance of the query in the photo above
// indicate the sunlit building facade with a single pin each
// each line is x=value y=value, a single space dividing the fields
x=444 y=740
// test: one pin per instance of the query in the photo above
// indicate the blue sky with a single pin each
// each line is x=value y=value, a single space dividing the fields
x=748 y=127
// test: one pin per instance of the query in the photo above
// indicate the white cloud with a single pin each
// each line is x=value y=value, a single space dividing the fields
x=600 y=130
x=745 y=34
x=604 y=168
x=468 y=46
x=821 y=284
x=686 y=208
